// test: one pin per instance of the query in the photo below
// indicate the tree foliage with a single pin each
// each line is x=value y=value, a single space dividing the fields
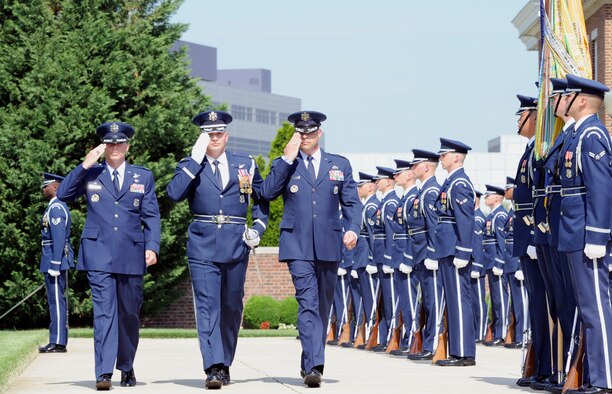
x=68 y=66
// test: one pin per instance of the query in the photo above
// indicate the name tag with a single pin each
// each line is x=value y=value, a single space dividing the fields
x=94 y=186
x=137 y=188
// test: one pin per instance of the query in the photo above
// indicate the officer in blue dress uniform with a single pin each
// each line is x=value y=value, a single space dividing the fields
x=56 y=258
x=406 y=283
x=421 y=225
x=477 y=274
x=524 y=247
x=495 y=252
x=514 y=275
x=114 y=250
x=390 y=201
x=313 y=184
x=585 y=223
x=219 y=186
x=453 y=251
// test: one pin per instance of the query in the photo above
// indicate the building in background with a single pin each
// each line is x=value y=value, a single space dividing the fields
x=598 y=17
x=257 y=112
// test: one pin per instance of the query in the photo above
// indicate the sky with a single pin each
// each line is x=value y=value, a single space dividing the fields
x=389 y=75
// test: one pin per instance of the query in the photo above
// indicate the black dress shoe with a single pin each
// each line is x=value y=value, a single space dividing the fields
x=513 y=345
x=213 y=379
x=104 y=383
x=555 y=388
x=225 y=376
x=399 y=353
x=348 y=344
x=379 y=348
x=128 y=379
x=361 y=347
x=478 y=341
x=589 y=390
x=313 y=378
x=539 y=385
x=333 y=342
x=457 y=362
x=52 y=348
x=425 y=355
x=497 y=342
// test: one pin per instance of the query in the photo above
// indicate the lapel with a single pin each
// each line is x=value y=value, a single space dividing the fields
x=106 y=180
x=324 y=167
x=207 y=170
x=232 y=167
x=128 y=179
x=301 y=168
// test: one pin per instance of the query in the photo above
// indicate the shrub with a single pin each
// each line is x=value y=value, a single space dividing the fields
x=259 y=309
x=288 y=311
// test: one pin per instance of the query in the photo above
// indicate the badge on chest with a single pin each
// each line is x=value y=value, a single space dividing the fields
x=137 y=188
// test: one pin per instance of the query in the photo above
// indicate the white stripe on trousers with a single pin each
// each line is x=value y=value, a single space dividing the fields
x=503 y=307
x=57 y=311
x=458 y=283
x=412 y=311
x=602 y=321
x=435 y=281
x=480 y=326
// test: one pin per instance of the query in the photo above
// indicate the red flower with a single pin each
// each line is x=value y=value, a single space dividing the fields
x=264 y=325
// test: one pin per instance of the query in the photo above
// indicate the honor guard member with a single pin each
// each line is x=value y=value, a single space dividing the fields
x=495 y=252
x=406 y=284
x=477 y=274
x=313 y=183
x=56 y=258
x=219 y=186
x=524 y=247
x=384 y=261
x=364 y=266
x=115 y=250
x=514 y=275
x=453 y=251
x=585 y=222
x=342 y=296
x=421 y=223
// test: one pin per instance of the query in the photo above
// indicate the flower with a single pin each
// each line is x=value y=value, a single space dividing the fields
x=264 y=325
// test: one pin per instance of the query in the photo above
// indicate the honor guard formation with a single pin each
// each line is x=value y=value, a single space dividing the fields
x=393 y=262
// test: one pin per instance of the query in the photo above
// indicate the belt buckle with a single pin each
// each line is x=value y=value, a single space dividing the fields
x=221 y=219
x=562 y=192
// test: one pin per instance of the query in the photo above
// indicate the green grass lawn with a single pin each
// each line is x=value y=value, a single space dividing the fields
x=17 y=350
x=186 y=333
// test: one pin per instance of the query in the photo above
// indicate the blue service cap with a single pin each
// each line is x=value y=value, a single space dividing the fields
x=509 y=183
x=447 y=146
x=212 y=121
x=558 y=85
x=364 y=178
x=306 y=121
x=401 y=165
x=48 y=178
x=585 y=85
x=424 y=155
x=478 y=193
x=527 y=103
x=115 y=132
x=384 y=173
x=491 y=189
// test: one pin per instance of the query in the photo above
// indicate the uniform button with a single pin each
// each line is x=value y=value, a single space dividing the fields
x=115 y=228
x=314 y=203
x=116 y=202
x=314 y=216
x=116 y=215
x=561 y=213
x=314 y=190
x=220 y=210
x=221 y=196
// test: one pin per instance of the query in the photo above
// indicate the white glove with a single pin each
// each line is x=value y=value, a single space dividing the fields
x=531 y=252
x=519 y=275
x=431 y=265
x=460 y=263
x=609 y=267
x=199 y=149
x=475 y=274
x=387 y=269
x=341 y=271
x=53 y=272
x=371 y=269
x=498 y=271
x=594 y=251
x=354 y=274
x=251 y=237
x=406 y=269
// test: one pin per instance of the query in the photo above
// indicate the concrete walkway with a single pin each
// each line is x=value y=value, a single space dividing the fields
x=271 y=365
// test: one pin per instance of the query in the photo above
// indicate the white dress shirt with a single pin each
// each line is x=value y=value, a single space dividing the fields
x=120 y=173
x=316 y=160
x=223 y=167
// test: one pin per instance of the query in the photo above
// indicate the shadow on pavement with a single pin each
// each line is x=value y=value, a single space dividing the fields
x=498 y=381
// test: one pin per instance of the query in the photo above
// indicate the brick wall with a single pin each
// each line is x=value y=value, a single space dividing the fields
x=275 y=281
x=602 y=21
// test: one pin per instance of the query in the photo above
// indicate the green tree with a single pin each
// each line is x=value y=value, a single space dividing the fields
x=68 y=66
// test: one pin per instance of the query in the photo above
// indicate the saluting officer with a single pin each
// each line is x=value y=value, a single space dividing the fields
x=114 y=250
x=585 y=223
x=453 y=251
x=219 y=185
x=56 y=259
x=477 y=274
x=313 y=184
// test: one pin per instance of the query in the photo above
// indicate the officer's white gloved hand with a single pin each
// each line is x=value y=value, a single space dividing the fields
x=371 y=269
x=609 y=267
x=594 y=251
x=474 y=274
x=531 y=252
x=460 y=263
x=498 y=271
x=199 y=149
x=431 y=265
x=53 y=272
x=341 y=271
x=406 y=269
x=519 y=275
x=354 y=274
x=251 y=237
x=387 y=269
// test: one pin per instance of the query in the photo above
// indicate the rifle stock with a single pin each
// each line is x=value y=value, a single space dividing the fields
x=510 y=335
x=345 y=336
x=360 y=337
x=529 y=367
x=396 y=336
x=373 y=339
x=417 y=336
x=575 y=375
x=331 y=334
x=441 y=352
x=489 y=336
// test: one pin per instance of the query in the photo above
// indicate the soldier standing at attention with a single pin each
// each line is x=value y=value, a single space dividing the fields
x=56 y=258
x=219 y=185
x=115 y=250
x=313 y=184
x=477 y=274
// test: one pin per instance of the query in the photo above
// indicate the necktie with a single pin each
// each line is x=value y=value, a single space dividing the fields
x=116 y=181
x=311 y=169
x=218 y=174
